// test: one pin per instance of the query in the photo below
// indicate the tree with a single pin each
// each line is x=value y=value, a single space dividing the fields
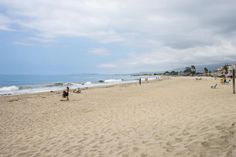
x=206 y=71
x=166 y=73
x=193 y=69
x=226 y=68
x=187 y=71
x=173 y=73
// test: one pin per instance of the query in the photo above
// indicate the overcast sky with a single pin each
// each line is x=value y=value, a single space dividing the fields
x=114 y=36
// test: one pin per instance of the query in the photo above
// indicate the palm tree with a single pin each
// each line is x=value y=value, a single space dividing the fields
x=226 y=68
x=206 y=71
x=193 y=69
x=187 y=71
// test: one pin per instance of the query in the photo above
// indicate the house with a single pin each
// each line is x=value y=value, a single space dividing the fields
x=230 y=69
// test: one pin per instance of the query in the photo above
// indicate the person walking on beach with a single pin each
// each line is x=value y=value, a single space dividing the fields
x=66 y=93
x=140 y=81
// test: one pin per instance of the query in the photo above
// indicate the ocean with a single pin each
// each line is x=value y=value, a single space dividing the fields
x=26 y=84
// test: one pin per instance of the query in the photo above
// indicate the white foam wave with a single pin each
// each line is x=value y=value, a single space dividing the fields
x=15 y=90
x=113 y=80
x=87 y=83
x=9 y=88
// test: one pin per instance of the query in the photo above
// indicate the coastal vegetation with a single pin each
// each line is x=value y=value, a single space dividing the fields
x=192 y=70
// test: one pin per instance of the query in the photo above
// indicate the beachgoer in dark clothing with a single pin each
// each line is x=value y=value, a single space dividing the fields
x=66 y=93
x=140 y=81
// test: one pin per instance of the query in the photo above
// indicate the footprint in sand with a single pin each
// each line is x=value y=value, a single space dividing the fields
x=178 y=140
x=37 y=155
x=125 y=155
x=25 y=154
x=135 y=149
x=144 y=142
x=24 y=148
x=67 y=151
x=12 y=100
x=143 y=155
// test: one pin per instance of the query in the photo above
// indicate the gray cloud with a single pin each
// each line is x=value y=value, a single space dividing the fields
x=176 y=32
x=167 y=58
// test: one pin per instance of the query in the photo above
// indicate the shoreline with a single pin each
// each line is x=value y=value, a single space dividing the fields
x=82 y=86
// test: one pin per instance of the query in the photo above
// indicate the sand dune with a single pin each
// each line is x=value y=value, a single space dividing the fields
x=176 y=117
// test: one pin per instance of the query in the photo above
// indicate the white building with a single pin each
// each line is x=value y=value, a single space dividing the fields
x=230 y=69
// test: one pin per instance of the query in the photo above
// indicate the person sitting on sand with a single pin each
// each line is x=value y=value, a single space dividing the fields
x=66 y=93
x=77 y=90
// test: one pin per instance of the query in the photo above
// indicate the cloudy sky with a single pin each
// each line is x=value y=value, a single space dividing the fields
x=114 y=36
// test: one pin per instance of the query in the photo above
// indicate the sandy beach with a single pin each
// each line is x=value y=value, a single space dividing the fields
x=176 y=117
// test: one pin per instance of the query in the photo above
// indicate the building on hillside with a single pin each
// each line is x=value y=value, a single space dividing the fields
x=230 y=70
x=219 y=72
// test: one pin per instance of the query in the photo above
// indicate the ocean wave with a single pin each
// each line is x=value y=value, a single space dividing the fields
x=9 y=88
x=25 y=89
x=69 y=84
x=113 y=80
x=87 y=83
x=55 y=84
x=62 y=84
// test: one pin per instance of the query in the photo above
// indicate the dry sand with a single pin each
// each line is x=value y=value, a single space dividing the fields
x=178 y=117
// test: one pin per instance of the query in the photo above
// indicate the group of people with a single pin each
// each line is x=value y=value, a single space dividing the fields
x=224 y=80
x=65 y=94
x=140 y=80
